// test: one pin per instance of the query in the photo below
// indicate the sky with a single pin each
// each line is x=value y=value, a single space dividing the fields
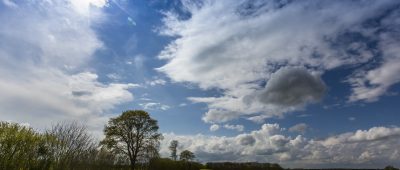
x=299 y=83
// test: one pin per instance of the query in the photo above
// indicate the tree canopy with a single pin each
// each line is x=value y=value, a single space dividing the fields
x=133 y=134
x=186 y=155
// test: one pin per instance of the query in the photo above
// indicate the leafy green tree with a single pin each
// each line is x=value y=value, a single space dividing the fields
x=132 y=134
x=173 y=148
x=186 y=155
x=22 y=148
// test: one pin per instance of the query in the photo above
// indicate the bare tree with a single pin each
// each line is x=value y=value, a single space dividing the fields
x=73 y=144
x=133 y=134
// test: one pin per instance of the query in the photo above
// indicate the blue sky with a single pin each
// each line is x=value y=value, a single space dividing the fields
x=300 y=83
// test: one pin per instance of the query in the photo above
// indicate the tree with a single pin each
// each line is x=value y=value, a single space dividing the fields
x=132 y=134
x=186 y=155
x=173 y=148
x=73 y=147
x=21 y=147
x=390 y=168
x=64 y=146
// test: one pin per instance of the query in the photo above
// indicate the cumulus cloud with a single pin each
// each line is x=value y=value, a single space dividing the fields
x=238 y=46
x=214 y=127
x=375 y=133
x=292 y=87
x=300 y=128
x=246 y=139
x=44 y=50
x=375 y=147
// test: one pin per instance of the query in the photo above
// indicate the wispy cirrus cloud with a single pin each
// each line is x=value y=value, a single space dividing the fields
x=299 y=128
x=154 y=106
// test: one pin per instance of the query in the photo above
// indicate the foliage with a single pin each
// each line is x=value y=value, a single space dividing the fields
x=173 y=148
x=22 y=148
x=134 y=134
x=186 y=155
x=390 y=168
x=64 y=146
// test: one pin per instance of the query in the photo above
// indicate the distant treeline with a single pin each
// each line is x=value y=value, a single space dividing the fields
x=338 y=169
x=386 y=168
x=243 y=166
x=169 y=164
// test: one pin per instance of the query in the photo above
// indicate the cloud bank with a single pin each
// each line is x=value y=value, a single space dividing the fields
x=267 y=56
x=373 y=148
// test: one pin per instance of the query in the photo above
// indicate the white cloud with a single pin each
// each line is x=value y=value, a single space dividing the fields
x=214 y=127
x=374 y=148
x=375 y=133
x=52 y=96
x=156 y=82
x=10 y=3
x=369 y=84
x=236 y=46
x=376 y=82
x=83 y=7
x=154 y=106
x=218 y=116
x=45 y=47
x=238 y=128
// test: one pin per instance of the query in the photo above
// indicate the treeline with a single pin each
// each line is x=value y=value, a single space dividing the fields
x=169 y=164
x=131 y=141
x=243 y=166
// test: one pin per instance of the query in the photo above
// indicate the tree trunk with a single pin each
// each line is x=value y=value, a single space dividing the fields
x=133 y=163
